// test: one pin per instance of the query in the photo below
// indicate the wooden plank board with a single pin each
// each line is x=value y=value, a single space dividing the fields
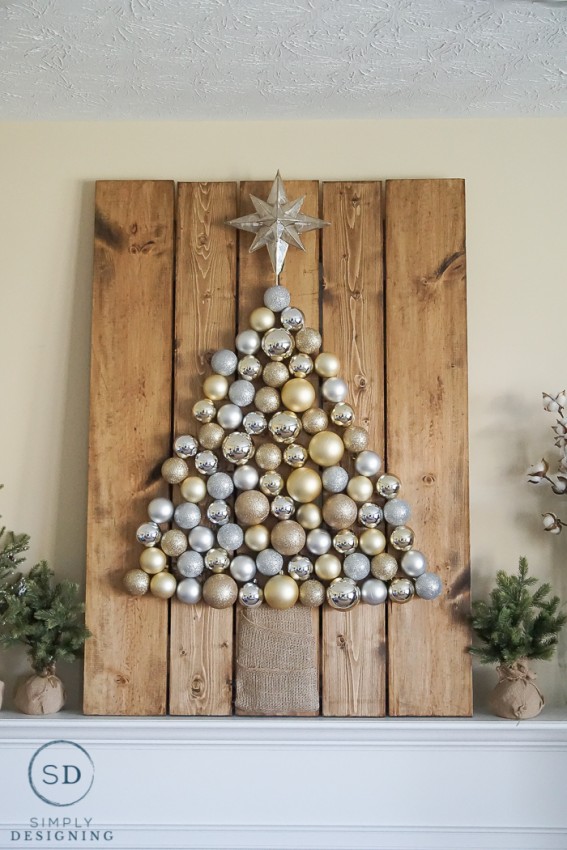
x=354 y=651
x=427 y=439
x=205 y=316
x=130 y=431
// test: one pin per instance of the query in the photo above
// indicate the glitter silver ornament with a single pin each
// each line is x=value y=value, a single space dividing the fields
x=401 y=590
x=206 y=463
x=285 y=426
x=278 y=344
x=345 y=541
x=277 y=298
x=319 y=541
x=300 y=568
x=204 y=410
x=185 y=446
x=428 y=586
x=300 y=365
x=220 y=485
x=189 y=591
x=218 y=512
x=271 y=483
x=229 y=416
x=292 y=319
x=224 y=362
x=356 y=566
x=187 y=515
x=190 y=564
x=160 y=510
x=388 y=486
x=250 y=595
x=283 y=507
x=374 y=592
x=249 y=367
x=334 y=389
x=243 y=568
x=248 y=342
x=148 y=534
x=245 y=477
x=370 y=515
x=384 y=566
x=201 y=538
x=269 y=562
x=217 y=560
x=295 y=455
x=241 y=393
x=343 y=594
x=238 y=447
x=334 y=479
x=255 y=422
x=397 y=512
x=413 y=563
x=402 y=538
x=368 y=463
x=342 y=414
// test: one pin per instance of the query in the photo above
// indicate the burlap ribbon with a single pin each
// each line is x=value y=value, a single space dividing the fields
x=516 y=696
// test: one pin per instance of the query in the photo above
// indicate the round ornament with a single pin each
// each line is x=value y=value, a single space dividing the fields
x=360 y=488
x=268 y=456
x=153 y=561
x=245 y=477
x=243 y=568
x=220 y=591
x=304 y=484
x=163 y=585
x=271 y=483
x=257 y=538
x=211 y=435
x=319 y=541
x=255 y=422
x=312 y=593
x=148 y=534
x=428 y=586
x=185 y=446
x=345 y=541
x=368 y=463
x=220 y=485
x=401 y=590
x=300 y=568
x=355 y=438
x=343 y=594
x=388 y=486
x=277 y=298
x=193 y=489
x=370 y=515
x=174 y=470
x=250 y=595
x=328 y=567
x=262 y=319
x=384 y=566
x=326 y=448
x=374 y=592
x=402 y=538
x=238 y=447
x=204 y=410
x=308 y=341
x=397 y=512
x=248 y=342
x=334 y=389
x=249 y=367
x=189 y=591
x=356 y=566
x=342 y=414
x=206 y=462
x=278 y=344
x=136 y=582
x=284 y=426
x=413 y=563
x=335 y=479
x=292 y=319
x=314 y=420
x=288 y=537
x=160 y=510
x=298 y=395
x=339 y=511
x=251 y=507
x=269 y=562
x=174 y=543
x=215 y=387
x=201 y=538
x=230 y=536
x=295 y=455
x=372 y=541
x=241 y=393
x=283 y=507
x=187 y=515
x=327 y=365
x=218 y=512
x=267 y=400
x=275 y=374
x=224 y=362
x=300 y=365
x=309 y=516
x=281 y=592
x=229 y=416
x=190 y=564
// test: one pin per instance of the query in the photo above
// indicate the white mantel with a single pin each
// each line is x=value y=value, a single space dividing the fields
x=246 y=784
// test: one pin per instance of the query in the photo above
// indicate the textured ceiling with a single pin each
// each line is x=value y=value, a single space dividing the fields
x=236 y=59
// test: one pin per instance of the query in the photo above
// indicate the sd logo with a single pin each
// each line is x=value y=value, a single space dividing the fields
x=61 y=773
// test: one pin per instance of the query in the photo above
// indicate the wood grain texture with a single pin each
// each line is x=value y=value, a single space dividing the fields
x=354 y=651
x=130 y=431
x=427 y=439
x=205 y=314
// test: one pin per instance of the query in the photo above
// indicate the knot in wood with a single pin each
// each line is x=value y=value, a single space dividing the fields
x=360 y=382
x=428 y=478
x=197 y=686
x=341 y=642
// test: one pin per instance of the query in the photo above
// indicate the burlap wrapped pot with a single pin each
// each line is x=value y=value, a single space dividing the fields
x=516 y=696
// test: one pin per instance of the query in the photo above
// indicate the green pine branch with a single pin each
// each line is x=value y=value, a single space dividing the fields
x=12 y=548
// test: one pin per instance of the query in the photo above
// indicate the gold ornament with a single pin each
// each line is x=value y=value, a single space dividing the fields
x=251 y=507
x=360 y=488
x=304 y=484
x=268 y=456
x=372 y=541
x=257 y=538
x=220 y=591
x=215 y=387
x=308 y=340
x=275 y=374
x=300 y=365
x=401 y=590
x=328 y=567
x=271 y=483
x=327 y=365
x=298 y=395
x=309 y=516
x=281 y=592
x=163 y=585
x=267 y=400
x=326 y=448
x=174 y=470
x=342 y=414
x=384 y=566
x=174 y=543
x=339 y=511
x=355 y=438
x=262 y=319
x=314 y=420
x=288 y=537
x=312 y=593
x=284 y=426
x=211 y=435
x=193 y=489
x=204 y=410
x=153 y=560
x=136 y=582
x=345 y=541
x=402 y=538
x=295 y=455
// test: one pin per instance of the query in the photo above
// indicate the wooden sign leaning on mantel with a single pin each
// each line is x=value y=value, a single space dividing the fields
x=391 y=303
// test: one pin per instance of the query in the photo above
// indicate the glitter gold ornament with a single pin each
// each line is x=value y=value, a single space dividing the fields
x=257 y=538
x=326 y=448
x=295 y=455
x=288 y=537
x=215 y=387
x=312 y=593
x=327 y=365
x=355 y=438
x=163 y=585
x=327 y=567
x=211 y=435
x=268 y=456
x=298 y=395
x=308 y=341
x=360 y=488
x=251 y=507
x=174 y=543
x=153 y=560
x=339 y=511
x=281 y=592
x=267 y=400
x=314 y=420
x=384 y=566
x=193 y=489
x=174 y=470
x=284 y=426
x=372 y=541
x=309 y=516
x=342 y=414
x=304 y=484
x=262 y=319
x=220 y=591
x=204 y=410
x=136 y=582
x=275 y=374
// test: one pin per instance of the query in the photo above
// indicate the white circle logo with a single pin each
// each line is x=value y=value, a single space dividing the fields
x=61 y=773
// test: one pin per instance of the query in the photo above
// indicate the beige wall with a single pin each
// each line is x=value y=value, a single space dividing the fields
x=516 y=174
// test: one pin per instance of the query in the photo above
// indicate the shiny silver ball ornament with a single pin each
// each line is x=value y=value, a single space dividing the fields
x=334 y=479
x=342 y=414
x=250 y=595
x=187 y=515
x=402 y=538
x=217 y=560
x=343 y=594
x=275 y=374
x=190 y=564
x=269 y=562
x=374 y=592
x=160 y=510
x=206 y=463
x=282 y=507
x=267 y=400
x=220 y=485
x=368 y=463
x=185 y=446
x=238 y=447
x=174 y=470
x=230 y=536
x=204 y=410
x=248 y=342
x=318 y=541
x=428 y=586
x=384 y=566
x=292 y=319
x=388 y=486
x=245 y=477
x=334 y=389
x=224 y=362
x=148 y=534
x=308 y=341
x=300 y=568
x=174 y=543
x=401 y=590
x=255 y=422
x=243 y=568
x=229 y=417
x=189 y=591
x=355 y=438
x=278 y=344
x=241 y=393
x=370 y=515
x=295 y=455
x=284 y=427
x=356 y=566
x=397 y=512
x=277 y=298
x=345 y=541
x=249 y=367
x=271 y=483
x=218 y=512
x=413 y=563
x=300 y=365
x=201 y=538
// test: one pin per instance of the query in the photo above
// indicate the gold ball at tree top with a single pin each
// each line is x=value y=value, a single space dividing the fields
x=251 y=507
x=136 y=582
x=193 y=489
x=360 y=488
x=215 y=387
x=308 y=340
x=355 y=438
x=220 y=591
x=304 y=484
x=312 y=593
x=163 y=585
x=153 y=560
x=309 y=516
x=327 y=567
x=211 y=435
x=298 y=395
x=372 y=541
x=339 y=511
x=326 y=448
x=314 y=420
x=327 y=365
x=268 y=456
x=174 y=543
x=281 y=592
x=262 y=319
x=288 y=537
x=275 y=374
x=257 y=538
x=267 y=400
x=174 y=470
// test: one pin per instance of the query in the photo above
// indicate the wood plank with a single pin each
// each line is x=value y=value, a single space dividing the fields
x=354 y=651
x=130 y=432
x=427 y=439
x=205 y=315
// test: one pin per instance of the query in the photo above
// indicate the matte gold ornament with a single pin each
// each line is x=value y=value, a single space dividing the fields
x=174 y=543
x=312 y=593
x=257 y=538
x=136 y=582
x=300 y=365
x=204 y=410
x=278 y=344
x=360 y=488
x=174 y=470
x=267 y=399
x=314 y=420
x=217 y=560
x=275 y=374
x=328 y=567
x=402 y=538
x=298 y=395
x=308 y=341
x=300 y=568
x=238 y=447
x=326 y=448
x=220 y=591
x=343 y=594
x=163 y=585
x=281 y=592
x=249 y=367
x=388 y=486
x=268 y=456
x=345 y=541
x=251 y=507
x=342 y=414
x=327 y=365
x=372 y=541
x=304 y=484
x=153 y=561
x=384 y=566
x=339 y=511
x=284 y=426
x=211 y=435
x=401 y=590
x=295 y=455
x=271 y=483
x=193 y=489
x=262 y=319
x=355 y=438
x=288 y=537
x=215 y=387
x=309 y=516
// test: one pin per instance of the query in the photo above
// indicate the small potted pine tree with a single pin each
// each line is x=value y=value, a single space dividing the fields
x=12 y=547
x=514 y=626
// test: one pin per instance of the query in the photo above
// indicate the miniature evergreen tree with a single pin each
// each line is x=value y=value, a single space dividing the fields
x=12 y=547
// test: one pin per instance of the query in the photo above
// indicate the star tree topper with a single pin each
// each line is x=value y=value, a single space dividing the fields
x=277 y=223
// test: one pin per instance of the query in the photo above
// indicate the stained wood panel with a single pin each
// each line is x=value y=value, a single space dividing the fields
x=426 y=367
x=354 y=651
x=205 y=315
x=130 y=424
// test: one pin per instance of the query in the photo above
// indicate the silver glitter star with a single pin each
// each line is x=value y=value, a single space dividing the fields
x=277 y=223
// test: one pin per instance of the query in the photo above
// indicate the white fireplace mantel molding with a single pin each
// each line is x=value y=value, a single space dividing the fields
x=284 y=784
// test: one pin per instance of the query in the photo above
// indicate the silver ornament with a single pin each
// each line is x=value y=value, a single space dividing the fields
x=238 y=447
x=345 y=541
x=243 y=568
x=248 y=342
x=295 y=455
x=334 y=479
x=201 y=538
x=428 y=586
x=187 y=515
x=285 y=426
x=241 y=393
x=370 y=515
x=413 y=563
x=160 y=510
x=204 y=410
x=343 y=594
x=342 y=414
x=224 y=362
x=292 y=319
x=245 y=477
x=356 y=566
x=218 y=512
x=388 y=486
x=206 y=463
x=229 y=416
x=397 y=512
x=189 y=591
x=283 y=507
x=401 y=590
x=374 y=592
x=300 y=568
x=249 y=367
x=367 y=463
x=250 y=595
x=277 y=344
x=300 y=365
x=185 y=446
x=319 y=541
x=148 y=534
x=402 y=538
x=334 y=389
x=255 y=422
x=269 y=562
x=190 y=564
x=271 y=483
x=220 y=485
x=277 y=298
x=217 y=560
